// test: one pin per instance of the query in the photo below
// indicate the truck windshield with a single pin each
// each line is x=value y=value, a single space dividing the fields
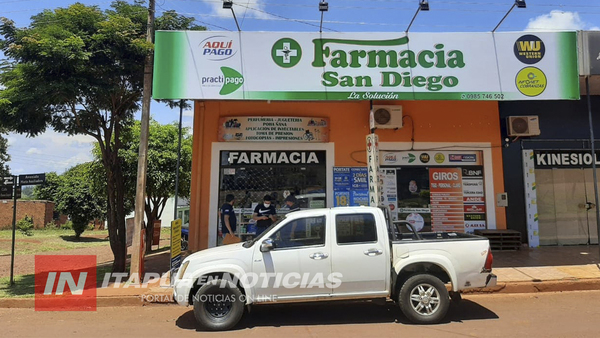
x=251 y=242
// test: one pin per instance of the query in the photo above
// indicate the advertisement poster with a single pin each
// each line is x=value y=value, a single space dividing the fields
x=447 y=206
x=389 y=193
x=350 y=186
x=209 y=65
x=474 y=199
x=273 y=129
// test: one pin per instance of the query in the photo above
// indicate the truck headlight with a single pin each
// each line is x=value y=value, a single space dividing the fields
x=182 y=270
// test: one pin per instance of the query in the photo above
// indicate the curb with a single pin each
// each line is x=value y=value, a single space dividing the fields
x=541 y=286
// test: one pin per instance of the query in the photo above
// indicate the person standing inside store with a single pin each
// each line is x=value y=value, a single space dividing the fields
x=264 y=215
x=228 y=219
x=292 y=203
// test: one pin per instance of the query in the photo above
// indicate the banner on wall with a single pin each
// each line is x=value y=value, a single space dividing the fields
x=273 y=129
x=457 y=200
x=389 y=192
x=365 y=66
x=531 y=198
x=548 y=159
x=350 y=186
x=431 y=158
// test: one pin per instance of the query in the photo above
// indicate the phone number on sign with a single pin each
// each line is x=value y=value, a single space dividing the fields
x=482 y=96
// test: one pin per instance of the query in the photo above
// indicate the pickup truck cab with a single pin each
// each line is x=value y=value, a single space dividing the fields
x=334 y=254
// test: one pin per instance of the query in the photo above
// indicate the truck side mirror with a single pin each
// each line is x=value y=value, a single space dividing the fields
x=267 y=245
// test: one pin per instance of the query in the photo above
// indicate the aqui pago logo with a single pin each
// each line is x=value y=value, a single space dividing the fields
x=286 y=52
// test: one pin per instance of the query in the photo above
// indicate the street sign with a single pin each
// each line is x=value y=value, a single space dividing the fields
x=32 y=179
x=6 y=192
x=8 y=180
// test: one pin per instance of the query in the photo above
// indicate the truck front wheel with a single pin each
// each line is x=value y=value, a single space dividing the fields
x=218 y=305
x=424 y=299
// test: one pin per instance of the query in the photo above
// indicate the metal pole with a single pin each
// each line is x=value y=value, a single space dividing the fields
x=14 y=230
x=593 y=148
x=505 y=15
x=178 y=160
x=137 y=255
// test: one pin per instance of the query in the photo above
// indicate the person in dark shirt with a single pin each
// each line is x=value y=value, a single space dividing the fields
x=292 y=203
x=264 y=215
x=228 y=219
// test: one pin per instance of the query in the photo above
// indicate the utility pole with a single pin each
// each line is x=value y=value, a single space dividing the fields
x=137 y=254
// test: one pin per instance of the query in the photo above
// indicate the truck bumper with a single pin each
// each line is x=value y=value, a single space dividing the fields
x=181 y=291
x=491 y=280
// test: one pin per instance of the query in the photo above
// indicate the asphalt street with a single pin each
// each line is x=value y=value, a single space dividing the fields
x=567 y=314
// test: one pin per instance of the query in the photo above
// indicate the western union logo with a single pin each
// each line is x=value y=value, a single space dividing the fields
x=529 y=46
x=529 y=49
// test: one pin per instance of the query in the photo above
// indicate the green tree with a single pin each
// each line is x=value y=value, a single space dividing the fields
x=162 y=164
x=79 y=70
x=76 y=194
x=48 y=190
x=78 y=197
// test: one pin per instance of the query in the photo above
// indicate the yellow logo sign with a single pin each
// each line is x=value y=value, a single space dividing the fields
x=531 y=81
x=439 y=158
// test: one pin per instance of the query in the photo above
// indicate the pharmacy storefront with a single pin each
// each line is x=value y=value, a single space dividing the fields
x=288 y=113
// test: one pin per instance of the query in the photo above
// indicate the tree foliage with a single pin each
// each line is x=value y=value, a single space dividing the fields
x=76 y=194
x=161 y=171
x=79 y=70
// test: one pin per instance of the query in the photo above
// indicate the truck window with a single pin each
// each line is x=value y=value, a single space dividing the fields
x=308 y=231
x=355 y=228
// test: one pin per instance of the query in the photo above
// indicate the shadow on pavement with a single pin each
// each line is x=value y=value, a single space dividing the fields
x=333 y=313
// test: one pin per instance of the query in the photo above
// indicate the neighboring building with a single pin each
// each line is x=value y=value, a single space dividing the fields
x=559 y=173
x=42 y=213
x=550 y=182
x=288 y=113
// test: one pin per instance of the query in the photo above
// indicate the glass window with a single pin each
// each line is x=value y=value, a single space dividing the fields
x=307 y=231
x=355 y=228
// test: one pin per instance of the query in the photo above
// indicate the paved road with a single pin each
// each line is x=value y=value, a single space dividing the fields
x=569 y=314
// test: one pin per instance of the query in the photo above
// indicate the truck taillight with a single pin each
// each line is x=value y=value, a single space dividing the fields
x=488 y=261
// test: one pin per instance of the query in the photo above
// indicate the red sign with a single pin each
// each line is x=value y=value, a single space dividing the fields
x=474 y=209
x=65 y=283
x=447 y=212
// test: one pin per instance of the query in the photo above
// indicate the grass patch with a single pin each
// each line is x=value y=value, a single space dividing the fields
x=50 y=240
x=24 y=287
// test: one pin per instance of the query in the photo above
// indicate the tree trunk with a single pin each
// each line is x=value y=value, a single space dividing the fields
x=116 y=215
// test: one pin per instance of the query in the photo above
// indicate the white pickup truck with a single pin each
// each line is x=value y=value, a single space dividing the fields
x=334 y=254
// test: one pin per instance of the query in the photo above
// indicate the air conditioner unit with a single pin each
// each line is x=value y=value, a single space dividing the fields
x=523 y=125
x=387 y=117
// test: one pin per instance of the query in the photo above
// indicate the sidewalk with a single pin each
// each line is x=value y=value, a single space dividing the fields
x=544 y=269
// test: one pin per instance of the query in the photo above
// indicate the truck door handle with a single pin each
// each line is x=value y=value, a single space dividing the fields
x=373 y=252
x=319 y=255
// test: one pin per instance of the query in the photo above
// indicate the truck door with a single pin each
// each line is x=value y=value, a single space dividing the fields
x=359 y=255
x=299 y=265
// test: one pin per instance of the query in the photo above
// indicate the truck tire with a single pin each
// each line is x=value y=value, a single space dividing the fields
x=424 y=299
x=218 y=305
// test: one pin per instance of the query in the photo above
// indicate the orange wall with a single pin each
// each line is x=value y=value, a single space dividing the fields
x=434 y=121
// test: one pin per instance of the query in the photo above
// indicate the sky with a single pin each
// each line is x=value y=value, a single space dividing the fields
x=57 y=152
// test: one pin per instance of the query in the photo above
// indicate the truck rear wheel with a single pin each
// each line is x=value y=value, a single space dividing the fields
x=218 y=305
x=424 y=299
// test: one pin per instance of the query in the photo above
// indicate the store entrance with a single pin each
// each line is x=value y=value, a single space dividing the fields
x=566 y=207
x=248 y=176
